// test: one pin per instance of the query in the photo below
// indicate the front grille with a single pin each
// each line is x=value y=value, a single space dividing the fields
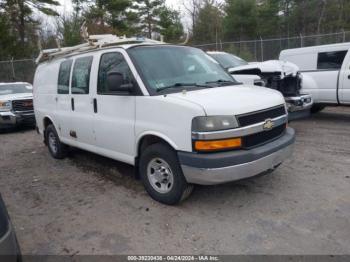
x=263 y=137
x=288 y=86
x=22 y=105
x=261 y=116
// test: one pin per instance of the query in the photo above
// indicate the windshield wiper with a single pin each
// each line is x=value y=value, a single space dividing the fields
x=176 y=85
x=222 y=82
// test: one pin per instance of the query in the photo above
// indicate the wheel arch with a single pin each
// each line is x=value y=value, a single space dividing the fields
x=149 y=138
x=46 y=121
x=146 y=139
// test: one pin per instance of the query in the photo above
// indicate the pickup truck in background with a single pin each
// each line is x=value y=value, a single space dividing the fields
x=16 y=105
x=325 y=72
x=274 y=74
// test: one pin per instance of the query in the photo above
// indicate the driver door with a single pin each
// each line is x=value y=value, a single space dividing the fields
x=114 y=121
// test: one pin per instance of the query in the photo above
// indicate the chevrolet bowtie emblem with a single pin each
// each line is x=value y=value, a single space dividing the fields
x=268 y=125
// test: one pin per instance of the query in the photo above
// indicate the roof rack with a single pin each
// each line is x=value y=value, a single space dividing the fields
x=93 y=42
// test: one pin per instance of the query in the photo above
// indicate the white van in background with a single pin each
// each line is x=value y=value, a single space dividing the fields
x=326 y=73
x=171 y=111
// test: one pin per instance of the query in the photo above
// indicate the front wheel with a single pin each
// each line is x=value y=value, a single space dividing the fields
x=57 y=149
x=162 y=175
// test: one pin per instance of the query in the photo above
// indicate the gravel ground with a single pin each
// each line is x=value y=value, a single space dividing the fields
x=88 y=204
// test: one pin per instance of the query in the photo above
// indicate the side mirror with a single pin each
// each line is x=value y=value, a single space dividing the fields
x=115 y=83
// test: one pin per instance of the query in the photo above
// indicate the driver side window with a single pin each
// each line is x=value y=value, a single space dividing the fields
x=113 y=63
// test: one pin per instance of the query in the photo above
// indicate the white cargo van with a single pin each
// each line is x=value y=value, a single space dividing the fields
x=325 y=72
x=171 y=111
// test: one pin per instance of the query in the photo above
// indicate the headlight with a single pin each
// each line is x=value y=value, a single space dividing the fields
x=5 y=105
x=213 y=123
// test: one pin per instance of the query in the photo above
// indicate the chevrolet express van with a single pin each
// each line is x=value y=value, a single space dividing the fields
x=171 y=111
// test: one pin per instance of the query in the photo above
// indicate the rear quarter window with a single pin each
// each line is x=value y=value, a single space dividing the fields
x=331 y=60
x=64 y=77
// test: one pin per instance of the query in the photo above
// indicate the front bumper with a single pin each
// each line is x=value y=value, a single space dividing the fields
x=11 y=119
x=218 y=168
x=299 y=103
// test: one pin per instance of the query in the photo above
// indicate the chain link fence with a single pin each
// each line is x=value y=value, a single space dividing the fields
x=269 y=49
x=17 y=70
x=254 y=50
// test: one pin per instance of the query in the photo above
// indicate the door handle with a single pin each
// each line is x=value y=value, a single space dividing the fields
x=95 y=105
x=72 y=104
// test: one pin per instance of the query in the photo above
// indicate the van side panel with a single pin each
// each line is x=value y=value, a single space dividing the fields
x=45 y=91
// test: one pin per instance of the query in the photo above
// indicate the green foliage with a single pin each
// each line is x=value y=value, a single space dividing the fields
x=170 y=24
x=149 y=15
x=241 y=19
x=268 y=19
x=208 y=25
x=214 y=21
x=68 y=28
x=7 y=39
x=22 y=24
x=108 y=16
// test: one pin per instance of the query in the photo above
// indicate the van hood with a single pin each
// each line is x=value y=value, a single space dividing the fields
x=11 y=97
x=272 y=66
x=233 y=100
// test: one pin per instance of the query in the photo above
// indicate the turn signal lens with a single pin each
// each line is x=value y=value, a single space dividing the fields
x=218 y=144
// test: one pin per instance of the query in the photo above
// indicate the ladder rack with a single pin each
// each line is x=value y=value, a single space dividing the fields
x=93 y=42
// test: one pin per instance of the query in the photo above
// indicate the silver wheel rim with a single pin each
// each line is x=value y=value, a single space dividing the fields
x=53 y=142
x=160 y=175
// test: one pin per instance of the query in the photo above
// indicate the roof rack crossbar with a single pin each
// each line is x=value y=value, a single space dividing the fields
x=94 y=42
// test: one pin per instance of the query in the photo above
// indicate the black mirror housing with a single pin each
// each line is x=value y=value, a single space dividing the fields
x=115 y=83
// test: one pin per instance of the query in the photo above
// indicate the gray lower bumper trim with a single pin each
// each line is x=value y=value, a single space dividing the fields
x=225 y=159
x=215 y=176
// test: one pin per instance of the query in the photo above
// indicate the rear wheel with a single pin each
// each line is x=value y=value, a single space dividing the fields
x=162 y=175
x=56 y=148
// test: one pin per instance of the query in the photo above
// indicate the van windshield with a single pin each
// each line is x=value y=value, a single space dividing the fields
x=8 y=89
x=177 y=68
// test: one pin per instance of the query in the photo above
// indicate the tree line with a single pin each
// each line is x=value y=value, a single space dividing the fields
x=23 y=22
x=237 y=20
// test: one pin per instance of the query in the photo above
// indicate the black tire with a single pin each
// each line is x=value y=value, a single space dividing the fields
x=60 y=152
x=180 y=189
x=317 y=108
